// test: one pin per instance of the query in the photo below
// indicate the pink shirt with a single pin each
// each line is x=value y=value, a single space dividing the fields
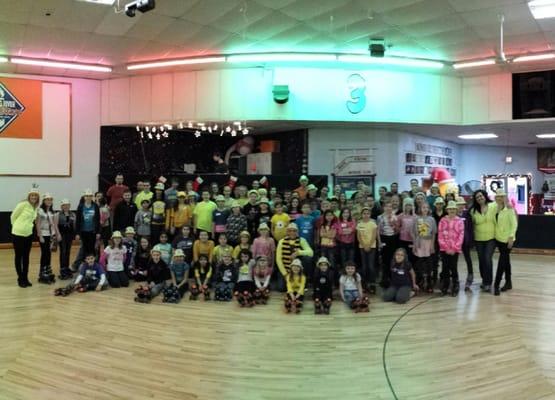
x=406 y=226
x=264 y=247
x=450 y=234
x=346 y=231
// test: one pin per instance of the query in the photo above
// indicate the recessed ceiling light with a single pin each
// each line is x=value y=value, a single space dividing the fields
x=546 y=136
x=542 y=8
x=103 y=2
x=476 y=136
x=470 y=64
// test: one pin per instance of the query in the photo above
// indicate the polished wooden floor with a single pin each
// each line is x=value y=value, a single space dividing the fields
x=105 y=346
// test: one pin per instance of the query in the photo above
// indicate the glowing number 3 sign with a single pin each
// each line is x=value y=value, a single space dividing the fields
x=357 y=88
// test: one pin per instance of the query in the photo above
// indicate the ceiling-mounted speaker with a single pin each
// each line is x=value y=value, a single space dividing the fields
x=281 y=93
x=377 y=47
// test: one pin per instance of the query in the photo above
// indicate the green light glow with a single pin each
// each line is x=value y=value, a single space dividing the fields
x=405 y=62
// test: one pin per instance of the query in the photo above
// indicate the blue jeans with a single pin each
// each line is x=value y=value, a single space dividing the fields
x=485 y=251
x=350 y=296
x=368 y=270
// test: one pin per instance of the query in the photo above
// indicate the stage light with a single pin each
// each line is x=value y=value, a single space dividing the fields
x=478 y=136
x=534 y=57
x=403 y=62
x=471 y=64
x=172 y=63
x=59 y=64
x=281 y=57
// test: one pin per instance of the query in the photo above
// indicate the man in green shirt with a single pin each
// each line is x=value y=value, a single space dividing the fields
x=146 y=194
x=202 y=215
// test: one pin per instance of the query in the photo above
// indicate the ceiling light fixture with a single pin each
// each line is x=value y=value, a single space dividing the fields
x=400 y=61
x=3 y=60
x=471 y=64
x=281 y=57
x=171 y=63
x=542 y=8
x=546 y=136
x=477 y=136
x=534 y=57
x=103 y=2
x=59 y=64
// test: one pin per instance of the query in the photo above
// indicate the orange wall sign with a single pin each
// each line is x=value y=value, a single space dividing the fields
x=20 y=108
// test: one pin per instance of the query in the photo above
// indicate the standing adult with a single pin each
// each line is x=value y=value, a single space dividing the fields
x=483 y=213
x=115 y=192
x=145 y=194
x=87 y=226
x=505 y=234
x=47 y=231
x=124 y=214
x=23 y=219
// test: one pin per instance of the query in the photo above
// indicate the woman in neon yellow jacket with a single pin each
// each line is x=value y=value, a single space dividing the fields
x=505 y=235
x=23 y=219
x=483 y=213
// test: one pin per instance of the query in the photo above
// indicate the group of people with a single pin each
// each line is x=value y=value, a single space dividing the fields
x=241 y=243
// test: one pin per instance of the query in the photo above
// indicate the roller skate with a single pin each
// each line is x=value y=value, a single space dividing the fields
x=171 y=294
x=64 y=291
x=265 y=296
x=194 y=292
x=468 y=283
x=298 y=306
x=507 y=286
x=206 y=293
x=288 y=305
x=355 y=305
x=257 y=296
x=327 y=306
x=455 y=289
x=46 y=276
x=240 y=298
x=363 y=304
x=317 y=306
x=65 y=275
x=143 y=294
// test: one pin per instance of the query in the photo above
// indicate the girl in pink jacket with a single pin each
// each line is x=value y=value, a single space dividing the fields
x=450 y=238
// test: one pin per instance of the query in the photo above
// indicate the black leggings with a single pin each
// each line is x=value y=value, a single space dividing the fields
x=117 y=279
x=22 y=248
x=45 y=253
x=65 y=250
x=391 y=243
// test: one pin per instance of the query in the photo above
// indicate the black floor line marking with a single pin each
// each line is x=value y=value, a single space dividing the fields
x=387 y=339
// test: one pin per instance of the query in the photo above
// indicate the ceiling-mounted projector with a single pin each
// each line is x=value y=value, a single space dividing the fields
x=141 y=5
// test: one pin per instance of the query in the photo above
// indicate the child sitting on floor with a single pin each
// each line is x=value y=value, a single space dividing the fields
x=226 y=276
x=179 y=269
x=296 y=282
x=403 y=278
x=323 y=287
x=350 y=289
x=203 y=276
x=262 y=274
x=91 y=276
x=245 y=287
x=139 y=270
x=158 y=274
x=113 y=259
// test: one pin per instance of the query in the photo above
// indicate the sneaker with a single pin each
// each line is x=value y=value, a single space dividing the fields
x=496 y=292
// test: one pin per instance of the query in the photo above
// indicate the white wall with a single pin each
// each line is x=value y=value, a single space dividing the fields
x=85 y=101
x=478 y=160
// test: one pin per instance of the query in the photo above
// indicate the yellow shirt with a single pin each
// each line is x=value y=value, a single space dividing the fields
x=23 y=219
x=279 y=225
x=484 y=224
x=366 y=234
x=206 y=248
x=506 y=225
x=178 y=218
x=296 y=284
x=142 y=196
x=203 y=215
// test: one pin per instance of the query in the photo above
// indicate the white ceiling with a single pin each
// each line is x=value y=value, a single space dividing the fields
x=440 y=29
